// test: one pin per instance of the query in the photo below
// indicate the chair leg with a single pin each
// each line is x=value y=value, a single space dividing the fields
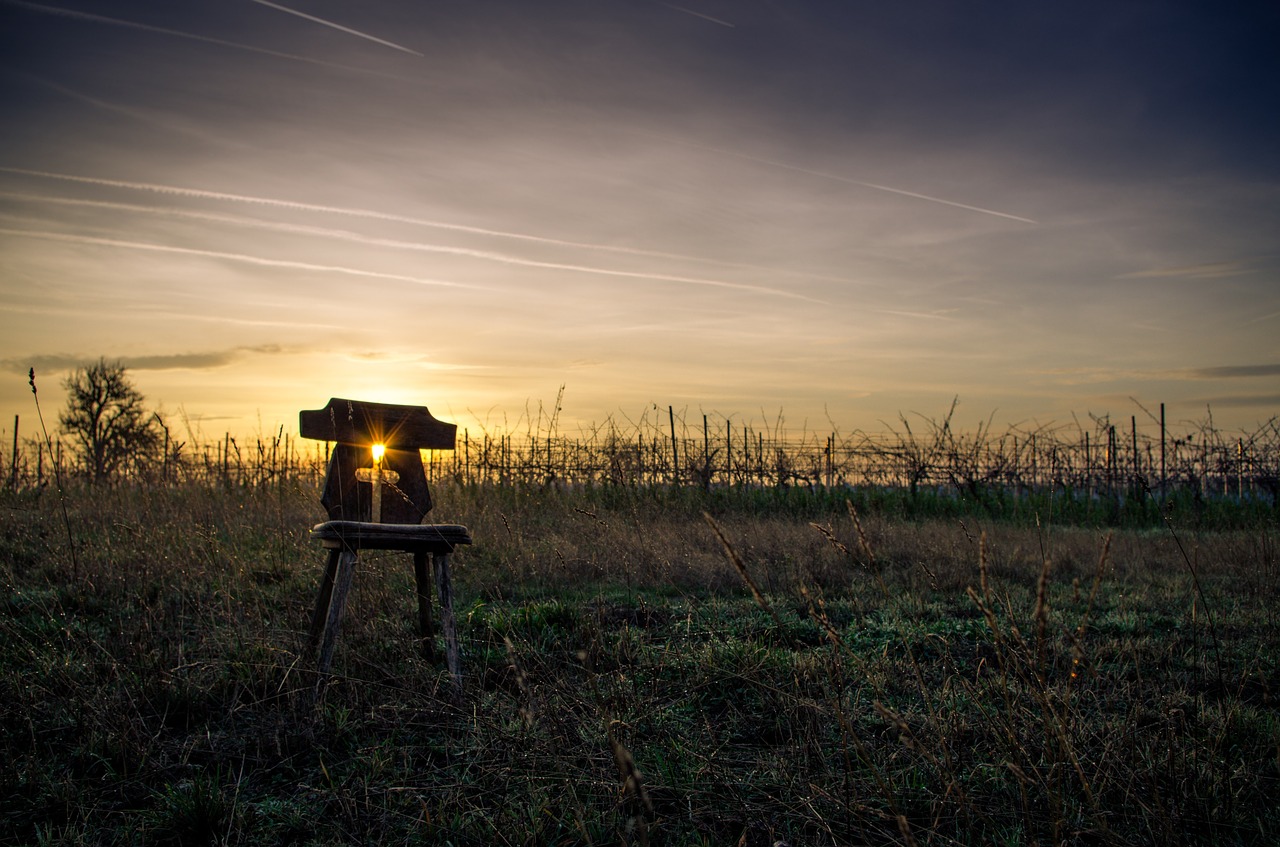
x=444 y=587
x=426 y=628
x=321 y=611
x=342 y=585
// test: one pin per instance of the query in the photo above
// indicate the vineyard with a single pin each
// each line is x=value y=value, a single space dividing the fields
x=1132 y=458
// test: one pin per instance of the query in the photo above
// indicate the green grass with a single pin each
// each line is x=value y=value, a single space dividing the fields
x=153 y=690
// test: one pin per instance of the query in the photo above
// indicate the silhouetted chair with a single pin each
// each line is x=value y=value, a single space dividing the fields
x=376 y=494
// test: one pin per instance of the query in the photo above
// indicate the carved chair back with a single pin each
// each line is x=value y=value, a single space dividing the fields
x=356 y=482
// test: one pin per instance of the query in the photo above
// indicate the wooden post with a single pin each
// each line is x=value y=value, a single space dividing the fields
x=1088 y=467
x=728 y=450
x=1239 y=469
x=706 y=454
x=13 y=466
x=1164 y=478
x=1137 y=466
x=1035 y=468
x=1111 y=459
x=675 y=455
x=829 y=472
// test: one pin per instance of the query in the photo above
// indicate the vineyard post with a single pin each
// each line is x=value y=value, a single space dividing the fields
x=1088 y=464
x=1017 y=458
x=827 y=469
x=1137 y=467
x=728 y=451
x=1111 y=459
x=1164 y=478
x=675 y=456
x=1240 y=469
x=760 y=455
x=1035 y=470
x=13 y=466
x=706 y=454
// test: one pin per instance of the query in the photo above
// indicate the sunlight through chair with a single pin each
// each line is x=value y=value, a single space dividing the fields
x=376 y=495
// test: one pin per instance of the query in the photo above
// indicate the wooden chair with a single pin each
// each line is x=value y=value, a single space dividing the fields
x=376 y=495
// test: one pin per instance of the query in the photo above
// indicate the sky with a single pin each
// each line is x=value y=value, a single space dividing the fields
x=828 y=214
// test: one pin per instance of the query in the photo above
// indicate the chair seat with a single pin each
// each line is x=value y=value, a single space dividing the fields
x=411 y=538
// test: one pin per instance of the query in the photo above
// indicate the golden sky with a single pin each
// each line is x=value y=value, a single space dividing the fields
x=845 y=212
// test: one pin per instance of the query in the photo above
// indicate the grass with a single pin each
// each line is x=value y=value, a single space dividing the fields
x=915 y=679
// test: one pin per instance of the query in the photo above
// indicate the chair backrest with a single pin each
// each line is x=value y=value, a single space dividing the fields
x=356 y=426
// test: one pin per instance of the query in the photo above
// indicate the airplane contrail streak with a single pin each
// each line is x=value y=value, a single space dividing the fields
x=385 y=216
x=235 y=45
x=135 y=114
x=236 y=257
x=838 y=178
x=926 y=315
x=372 y=241
x=339 y=27
x=22 y=309
x=699 y=15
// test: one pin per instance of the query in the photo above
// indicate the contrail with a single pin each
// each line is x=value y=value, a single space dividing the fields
x=236 y=257
x=691 y=12
x=384 y=216
x=340 y=27
x=373 y=241
x=135 y=114
x=186 y=316
x=235 y=45
x=845 y=179
x=933 y=316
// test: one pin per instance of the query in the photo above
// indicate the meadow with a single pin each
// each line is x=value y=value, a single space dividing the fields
x=698 y=663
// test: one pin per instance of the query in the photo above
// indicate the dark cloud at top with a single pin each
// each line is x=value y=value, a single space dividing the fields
x=1128 y=85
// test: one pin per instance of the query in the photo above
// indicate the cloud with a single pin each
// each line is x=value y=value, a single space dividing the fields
x=1209 y=270
x=1235 y=372
x=1243 y=400
x=209 y=360
x=235 y=257
x=338 y=27
x=370 y=214
x=1082 y=376
x=468 y=252
x=695 y=14
x=159 y=30
x=928 y=198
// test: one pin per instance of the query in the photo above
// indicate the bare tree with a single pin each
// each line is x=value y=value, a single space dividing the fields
x=106 y=419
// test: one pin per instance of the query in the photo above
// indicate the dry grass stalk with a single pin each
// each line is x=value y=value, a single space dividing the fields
x=635 y=795
x=741 y=568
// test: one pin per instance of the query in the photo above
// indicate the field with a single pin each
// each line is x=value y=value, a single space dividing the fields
x=647 y=664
